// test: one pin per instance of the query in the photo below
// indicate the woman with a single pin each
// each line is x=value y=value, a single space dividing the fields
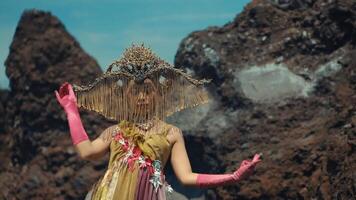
x=139 y=91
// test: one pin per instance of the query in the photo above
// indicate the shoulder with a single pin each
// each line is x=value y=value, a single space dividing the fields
x=172 y=129
x=174 y=132
x=107 y=134
x=112 y=129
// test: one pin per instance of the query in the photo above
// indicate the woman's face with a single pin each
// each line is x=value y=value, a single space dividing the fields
x=141 y=96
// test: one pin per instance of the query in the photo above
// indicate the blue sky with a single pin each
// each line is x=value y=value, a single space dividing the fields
x=105 y=28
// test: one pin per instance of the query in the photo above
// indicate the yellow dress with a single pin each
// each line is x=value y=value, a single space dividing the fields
x=135 y=169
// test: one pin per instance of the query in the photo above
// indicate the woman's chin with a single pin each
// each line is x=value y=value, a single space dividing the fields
x=142 y=106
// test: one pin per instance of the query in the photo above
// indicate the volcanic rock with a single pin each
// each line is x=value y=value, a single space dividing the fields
x=283 y=83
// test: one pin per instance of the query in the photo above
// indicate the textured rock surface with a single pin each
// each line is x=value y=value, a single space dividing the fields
x=37 y=158
x=3 y=102
x=284 y=76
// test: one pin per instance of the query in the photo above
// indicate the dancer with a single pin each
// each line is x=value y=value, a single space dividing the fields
x=139 y=91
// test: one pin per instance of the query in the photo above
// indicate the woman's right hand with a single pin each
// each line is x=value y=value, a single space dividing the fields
x=68 y=101
x=66 y=97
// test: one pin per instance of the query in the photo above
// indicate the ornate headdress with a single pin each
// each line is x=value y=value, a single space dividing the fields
x=111 y=93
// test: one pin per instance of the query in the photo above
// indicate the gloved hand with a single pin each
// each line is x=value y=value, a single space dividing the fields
x=212 y=180
x=68 y=101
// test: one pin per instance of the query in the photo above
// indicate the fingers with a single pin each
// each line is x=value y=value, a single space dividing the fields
x=57 y=96
x=257 y=158
x=250 y=165
x=71 y=92
x=64 y=85
x=257 y=161
x=245 y=162
x=63 y=90
x=66 y=89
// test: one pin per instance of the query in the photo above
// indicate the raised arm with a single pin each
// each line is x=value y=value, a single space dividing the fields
x=182 y=168
x=87 y=150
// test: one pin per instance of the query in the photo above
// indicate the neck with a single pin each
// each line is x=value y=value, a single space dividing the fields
x=147 y=125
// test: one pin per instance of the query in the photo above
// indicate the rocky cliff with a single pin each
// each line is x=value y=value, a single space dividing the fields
x=283 y=84
x=37 y=158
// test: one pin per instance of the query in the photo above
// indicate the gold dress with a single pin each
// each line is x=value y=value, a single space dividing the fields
x=135 y=169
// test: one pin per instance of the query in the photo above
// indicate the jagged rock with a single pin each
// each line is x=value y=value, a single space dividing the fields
x=336 y=26
x=42 y=56
x=4 y=96
x=285 y=83
x=293 y=4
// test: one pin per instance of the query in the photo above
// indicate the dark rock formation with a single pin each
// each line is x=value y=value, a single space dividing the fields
x=37 y=158
x=4 y=95
x=293 y=4
x=284 y=85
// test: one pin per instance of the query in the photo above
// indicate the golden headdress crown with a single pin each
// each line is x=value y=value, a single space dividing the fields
x=176 y=90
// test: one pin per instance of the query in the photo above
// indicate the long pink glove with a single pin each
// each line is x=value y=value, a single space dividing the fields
x=212 y=180
x=68 y=101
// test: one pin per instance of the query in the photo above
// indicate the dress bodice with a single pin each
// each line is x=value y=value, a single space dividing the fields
x=136 y=164
x=127 y=142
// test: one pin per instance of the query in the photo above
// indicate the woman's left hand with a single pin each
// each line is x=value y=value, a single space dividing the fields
x=247 y=167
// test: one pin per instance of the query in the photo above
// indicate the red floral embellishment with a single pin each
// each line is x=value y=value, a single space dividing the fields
x=149 y=165
x=144 y=162
x=130 y=163
x=136 y=153
x=125 y=146
x=123 y=141
x=148 y=161
x=118 y=136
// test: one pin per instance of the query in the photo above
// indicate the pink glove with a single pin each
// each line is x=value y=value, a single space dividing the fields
x=211 y=180
x=68 y=101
